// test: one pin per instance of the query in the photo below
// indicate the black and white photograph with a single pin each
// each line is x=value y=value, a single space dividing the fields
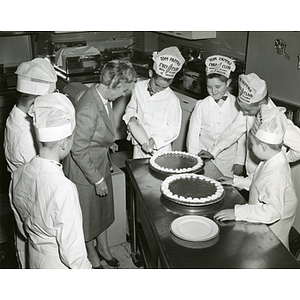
x=166 y=158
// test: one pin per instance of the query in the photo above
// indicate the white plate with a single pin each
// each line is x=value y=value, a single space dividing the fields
x=194 y=228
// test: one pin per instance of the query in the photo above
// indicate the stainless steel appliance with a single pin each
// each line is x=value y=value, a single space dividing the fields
x=78 y=63
x=117 y=53
x=194 y=76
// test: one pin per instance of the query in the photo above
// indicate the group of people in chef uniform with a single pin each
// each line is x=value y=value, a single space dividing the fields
x=59 y=155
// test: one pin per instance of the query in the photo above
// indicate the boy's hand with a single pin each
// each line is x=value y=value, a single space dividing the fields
x=148 y=148
x=224 y=180
x=225 y=215
x=114 y=147
x=237 y=169
x=205 y=154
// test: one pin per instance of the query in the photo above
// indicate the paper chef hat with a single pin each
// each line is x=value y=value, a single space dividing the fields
x=252 y=89
x=36 y=77
x=219 y=64
x=270 y=125
x=53 y=117
x=168 y=62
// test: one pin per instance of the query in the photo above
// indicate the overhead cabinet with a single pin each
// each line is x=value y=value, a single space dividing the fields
x=192 y=35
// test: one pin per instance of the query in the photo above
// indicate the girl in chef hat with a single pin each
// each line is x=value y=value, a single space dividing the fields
x=213 y=114
x=44 y=201
x=272 y=198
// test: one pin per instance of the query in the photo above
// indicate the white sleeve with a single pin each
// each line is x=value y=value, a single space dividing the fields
x=230 y=135
x=19 y=222
x=241 y=150
x=241 y=182
x=194 y=131
x=69 y=232
x=131 y=108
x=268 y=210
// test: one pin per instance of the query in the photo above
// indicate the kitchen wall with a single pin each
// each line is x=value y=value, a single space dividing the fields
x=98 y=39
x=231 y=43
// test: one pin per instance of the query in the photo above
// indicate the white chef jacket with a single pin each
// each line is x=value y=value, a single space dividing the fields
x=272 y=198
x=208 y=120
x=160 y=116
x=46 y=207
x=243 y=124
x=19 y=146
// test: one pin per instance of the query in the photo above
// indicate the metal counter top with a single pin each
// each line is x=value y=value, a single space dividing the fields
x=238 y=245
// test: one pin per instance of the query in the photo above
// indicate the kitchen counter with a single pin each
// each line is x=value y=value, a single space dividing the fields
x=238 y=245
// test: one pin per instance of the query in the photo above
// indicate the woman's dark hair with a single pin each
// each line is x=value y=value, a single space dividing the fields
x=117 y=71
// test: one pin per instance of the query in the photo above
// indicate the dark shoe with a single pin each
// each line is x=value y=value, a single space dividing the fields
x=99 y=267
x=112 y=262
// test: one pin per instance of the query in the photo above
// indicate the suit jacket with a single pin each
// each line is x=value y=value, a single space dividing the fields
x=88 y=160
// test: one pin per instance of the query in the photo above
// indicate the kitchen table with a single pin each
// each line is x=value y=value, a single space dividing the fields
x=238 y=244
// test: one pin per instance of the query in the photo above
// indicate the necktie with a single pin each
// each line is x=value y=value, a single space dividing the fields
x=111 y=116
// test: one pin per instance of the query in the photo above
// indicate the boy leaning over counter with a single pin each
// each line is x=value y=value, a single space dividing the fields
x=45 y=203
x=272 y=198
x=252 y=95
x=153 y=115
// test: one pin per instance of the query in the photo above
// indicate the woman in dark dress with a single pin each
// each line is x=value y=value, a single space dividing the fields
x=88 y=165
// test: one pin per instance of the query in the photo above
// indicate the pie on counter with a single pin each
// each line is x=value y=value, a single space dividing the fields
x=192 y=189
x=175 y=162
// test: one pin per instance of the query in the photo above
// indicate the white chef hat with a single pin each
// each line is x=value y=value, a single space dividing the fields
x=252 y=89
x=219 y=64
x=53 y=117
x=168 y=62
x=270 y=124
x=36 y=77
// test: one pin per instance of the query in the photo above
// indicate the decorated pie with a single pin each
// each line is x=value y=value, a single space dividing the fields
x=192 y=189
x=176 y=162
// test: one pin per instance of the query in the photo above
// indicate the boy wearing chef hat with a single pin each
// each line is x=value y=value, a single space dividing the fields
x=252 y=95
x=272 y=198
x=34 y=78
x=153 y=115
x=212 y=115
x=44 y=201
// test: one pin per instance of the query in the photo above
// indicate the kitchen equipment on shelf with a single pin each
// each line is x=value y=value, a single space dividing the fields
x=194 y=76
x=117 y=53
x=73 y=62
